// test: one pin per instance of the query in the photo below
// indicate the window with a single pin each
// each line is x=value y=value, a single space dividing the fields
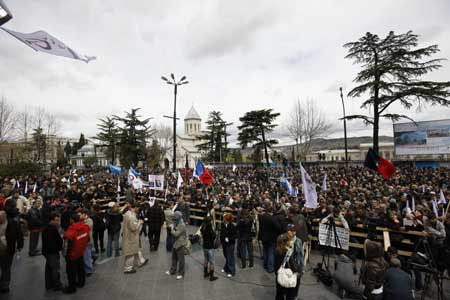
x=190 y=127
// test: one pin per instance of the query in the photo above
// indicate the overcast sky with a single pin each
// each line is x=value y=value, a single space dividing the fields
x=237 y=55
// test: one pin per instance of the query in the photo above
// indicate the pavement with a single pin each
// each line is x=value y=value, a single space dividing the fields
x=150 y=282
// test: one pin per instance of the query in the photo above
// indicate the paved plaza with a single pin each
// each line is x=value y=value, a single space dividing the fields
x=151 y=282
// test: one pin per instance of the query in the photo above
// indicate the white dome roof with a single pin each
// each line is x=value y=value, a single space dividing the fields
x=192 y=114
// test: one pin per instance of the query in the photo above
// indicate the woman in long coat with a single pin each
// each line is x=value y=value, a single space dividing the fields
x=130 y=240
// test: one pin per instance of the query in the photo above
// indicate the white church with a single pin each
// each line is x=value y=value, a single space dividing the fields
x=187 y=142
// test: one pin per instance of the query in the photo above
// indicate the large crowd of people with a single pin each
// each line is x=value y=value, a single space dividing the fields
x=70 y=213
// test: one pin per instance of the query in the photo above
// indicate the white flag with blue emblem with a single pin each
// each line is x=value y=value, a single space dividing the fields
x=44 y=42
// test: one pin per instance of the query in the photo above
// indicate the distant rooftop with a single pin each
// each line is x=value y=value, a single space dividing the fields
x=192 y=114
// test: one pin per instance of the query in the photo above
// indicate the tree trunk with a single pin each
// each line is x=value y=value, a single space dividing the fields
x=376 y=120
x=266 y=154
x=376 y=114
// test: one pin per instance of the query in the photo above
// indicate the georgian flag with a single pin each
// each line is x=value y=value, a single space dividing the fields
x=44 y=42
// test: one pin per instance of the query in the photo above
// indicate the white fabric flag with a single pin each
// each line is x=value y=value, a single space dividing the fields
x=234 y=167
x=309 y=189
x=435 y=208
x=34 y=187
x=134 y=181
x=442 y=198
x=324 y=183
x=179 y=181
x=26 y=187
x=44 y=42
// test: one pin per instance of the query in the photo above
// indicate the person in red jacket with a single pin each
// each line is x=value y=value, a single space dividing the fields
x=76 y=239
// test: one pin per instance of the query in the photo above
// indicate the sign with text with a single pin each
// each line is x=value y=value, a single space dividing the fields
x=156 y=182
x=430 y=137
x=327 y=237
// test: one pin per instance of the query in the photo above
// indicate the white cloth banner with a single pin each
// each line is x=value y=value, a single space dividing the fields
x=309 y=189
x=324 y=183
x=44 y=42
x=179 y=181
x=326 y=237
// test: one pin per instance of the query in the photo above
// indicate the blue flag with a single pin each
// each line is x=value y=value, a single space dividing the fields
x=114 y=170
x=134 y=172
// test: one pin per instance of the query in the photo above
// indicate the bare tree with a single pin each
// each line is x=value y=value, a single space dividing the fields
x=39 y=116
x=164 y=136
x=306 y=122
x=7 y=120
x=24 y=121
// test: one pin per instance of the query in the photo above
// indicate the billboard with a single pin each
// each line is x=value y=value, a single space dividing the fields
x=430 y=137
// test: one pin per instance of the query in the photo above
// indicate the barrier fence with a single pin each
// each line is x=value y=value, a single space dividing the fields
x=404 y=241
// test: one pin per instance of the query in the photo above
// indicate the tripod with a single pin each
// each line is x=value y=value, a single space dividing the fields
x=432 y=273
x=328 y=247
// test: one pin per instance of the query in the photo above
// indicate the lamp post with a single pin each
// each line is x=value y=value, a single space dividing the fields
x=175 y=89
x=5 y=14
x=345 y=127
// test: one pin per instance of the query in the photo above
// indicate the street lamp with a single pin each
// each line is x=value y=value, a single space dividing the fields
x=175 y=88
x=5 y=14
x=345 y=128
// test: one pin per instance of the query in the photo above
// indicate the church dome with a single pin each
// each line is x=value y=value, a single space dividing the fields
x=192 y=114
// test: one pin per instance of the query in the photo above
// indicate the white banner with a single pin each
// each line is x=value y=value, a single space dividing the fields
x=326 y=237
x=44 y=42
x=308 y=189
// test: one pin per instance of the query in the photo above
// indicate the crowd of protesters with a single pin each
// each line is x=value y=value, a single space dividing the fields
x=71 y=212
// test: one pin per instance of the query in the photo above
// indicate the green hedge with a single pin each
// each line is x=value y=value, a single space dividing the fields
x=20 y=169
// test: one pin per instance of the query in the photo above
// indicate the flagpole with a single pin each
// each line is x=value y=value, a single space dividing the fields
x=446 y=210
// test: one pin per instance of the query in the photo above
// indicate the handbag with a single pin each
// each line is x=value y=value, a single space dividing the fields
x=285 y=276
x=188 y=247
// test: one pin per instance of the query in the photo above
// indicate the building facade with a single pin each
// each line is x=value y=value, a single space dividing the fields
x=187 y=142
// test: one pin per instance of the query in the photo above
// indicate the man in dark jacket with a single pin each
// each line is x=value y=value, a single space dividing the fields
x=397 y=283
x=155 y=216
x=268 y=233
x=34 y=225
x=14 y=241
x=373 y=270
x=113 y=225
x=51 y=246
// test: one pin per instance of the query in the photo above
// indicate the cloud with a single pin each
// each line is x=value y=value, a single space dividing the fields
x=227 y=29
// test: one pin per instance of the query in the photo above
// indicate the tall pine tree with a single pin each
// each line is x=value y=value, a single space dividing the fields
x=108 y=137
x=391 y=72
x=256 y=125
x=133 y=135
x=215 y=145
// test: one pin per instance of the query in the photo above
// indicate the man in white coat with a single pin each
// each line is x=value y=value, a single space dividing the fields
x=130 y=240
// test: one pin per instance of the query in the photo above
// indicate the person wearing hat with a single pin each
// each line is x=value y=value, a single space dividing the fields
x=397 y=283
x=297 y=252
x=178 y=231
x=130 y=241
